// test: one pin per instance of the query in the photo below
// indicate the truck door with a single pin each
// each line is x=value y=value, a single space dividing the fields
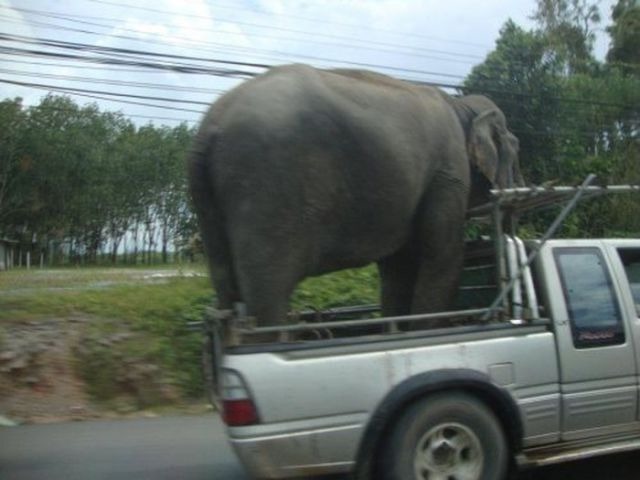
x=625 y=259
x=596 y=355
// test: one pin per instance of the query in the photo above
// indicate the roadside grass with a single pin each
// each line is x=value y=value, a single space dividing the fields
x=142 y=300
x=69 y=277
x=345 y=288
x=153 y=308
x=137 y=304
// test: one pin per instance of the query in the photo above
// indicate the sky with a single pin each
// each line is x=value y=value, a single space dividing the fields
x=427 y=40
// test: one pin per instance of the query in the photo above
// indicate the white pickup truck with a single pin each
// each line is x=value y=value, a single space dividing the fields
x=549 y=372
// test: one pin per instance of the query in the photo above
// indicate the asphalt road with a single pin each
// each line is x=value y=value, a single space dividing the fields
x=183 y=448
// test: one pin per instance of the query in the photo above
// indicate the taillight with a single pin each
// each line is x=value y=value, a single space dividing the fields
x=238 y=408
x=239 y=412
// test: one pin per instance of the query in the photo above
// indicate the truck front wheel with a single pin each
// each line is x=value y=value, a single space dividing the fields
x=445 y=436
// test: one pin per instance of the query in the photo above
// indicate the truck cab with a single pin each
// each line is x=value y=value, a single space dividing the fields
x=587 y=289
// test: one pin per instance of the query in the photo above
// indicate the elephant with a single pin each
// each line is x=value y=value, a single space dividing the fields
x=302 y=171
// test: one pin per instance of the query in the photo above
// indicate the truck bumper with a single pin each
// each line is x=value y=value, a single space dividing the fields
x=317 y=451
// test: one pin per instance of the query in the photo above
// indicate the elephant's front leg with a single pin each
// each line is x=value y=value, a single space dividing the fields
x=441 y=247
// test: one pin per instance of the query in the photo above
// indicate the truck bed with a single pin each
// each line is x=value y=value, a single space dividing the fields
x=307 y=411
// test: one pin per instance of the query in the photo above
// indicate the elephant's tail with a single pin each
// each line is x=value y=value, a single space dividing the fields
x=210 y=216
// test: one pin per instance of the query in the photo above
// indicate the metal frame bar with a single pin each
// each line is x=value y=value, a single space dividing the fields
x=499 y=245
x=513 y=267
x=532 y=299
x=361 y=322
x=528 y=198
x=534 y=254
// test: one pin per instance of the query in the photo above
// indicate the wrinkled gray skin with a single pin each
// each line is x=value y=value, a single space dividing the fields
x=301 y=171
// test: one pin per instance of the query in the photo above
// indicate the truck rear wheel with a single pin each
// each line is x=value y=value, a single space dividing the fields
x=446 y=436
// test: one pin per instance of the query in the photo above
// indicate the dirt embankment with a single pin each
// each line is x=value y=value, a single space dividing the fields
x=44 y=366
x=38 y=382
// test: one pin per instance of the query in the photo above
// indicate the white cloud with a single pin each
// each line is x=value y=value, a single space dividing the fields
x=16 y=24
x=275 y=7
x=144 y=29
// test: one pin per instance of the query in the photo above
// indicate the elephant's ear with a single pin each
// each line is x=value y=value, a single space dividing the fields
x=483 y=144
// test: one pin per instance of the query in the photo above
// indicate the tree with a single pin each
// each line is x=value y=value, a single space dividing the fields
x=569 y=29
x=121 y=186
x=624 y=49
x=172 y=198
x=81 y=180
x=13 y=162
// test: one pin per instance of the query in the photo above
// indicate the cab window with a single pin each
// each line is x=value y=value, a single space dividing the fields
x=594 y=312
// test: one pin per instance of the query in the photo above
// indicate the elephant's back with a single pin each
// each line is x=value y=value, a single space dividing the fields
x=295 y=98
x=315 y=118
x=339 y=156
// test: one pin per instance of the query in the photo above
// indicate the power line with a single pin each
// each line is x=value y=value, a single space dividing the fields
x=573 y=100
x=192 y=89
x=101 y=95
x=354 y=26
x=177 y=68
x=152 y=117
x=259 y=52
x=235 y=73
x=70 y=17
x=269 y=54
x=130 y=56
x=84 y=67
x=121 y=83
x=258 y=65
x=125 y=51
x=126 y=37
x=122 y=115
x=82 y=19
x=286 y=29
x=368 y=44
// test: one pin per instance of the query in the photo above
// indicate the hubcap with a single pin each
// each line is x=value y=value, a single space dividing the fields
x=449 y=451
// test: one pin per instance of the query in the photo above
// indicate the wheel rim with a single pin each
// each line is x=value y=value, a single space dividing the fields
x=449 y=451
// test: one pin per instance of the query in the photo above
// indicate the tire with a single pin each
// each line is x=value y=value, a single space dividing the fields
x=445 y=436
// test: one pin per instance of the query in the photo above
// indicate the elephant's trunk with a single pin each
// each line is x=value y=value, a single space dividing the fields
x=508 y=174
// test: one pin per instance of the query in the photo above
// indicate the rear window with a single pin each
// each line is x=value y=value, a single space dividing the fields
x=593 y=309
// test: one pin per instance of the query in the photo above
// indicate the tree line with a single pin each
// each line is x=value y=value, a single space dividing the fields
x=572 y=114
x=76 y=183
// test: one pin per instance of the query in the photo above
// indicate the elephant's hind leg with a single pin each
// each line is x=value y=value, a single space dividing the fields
x=398 y=274
x=267 y=274
x=266 y=294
